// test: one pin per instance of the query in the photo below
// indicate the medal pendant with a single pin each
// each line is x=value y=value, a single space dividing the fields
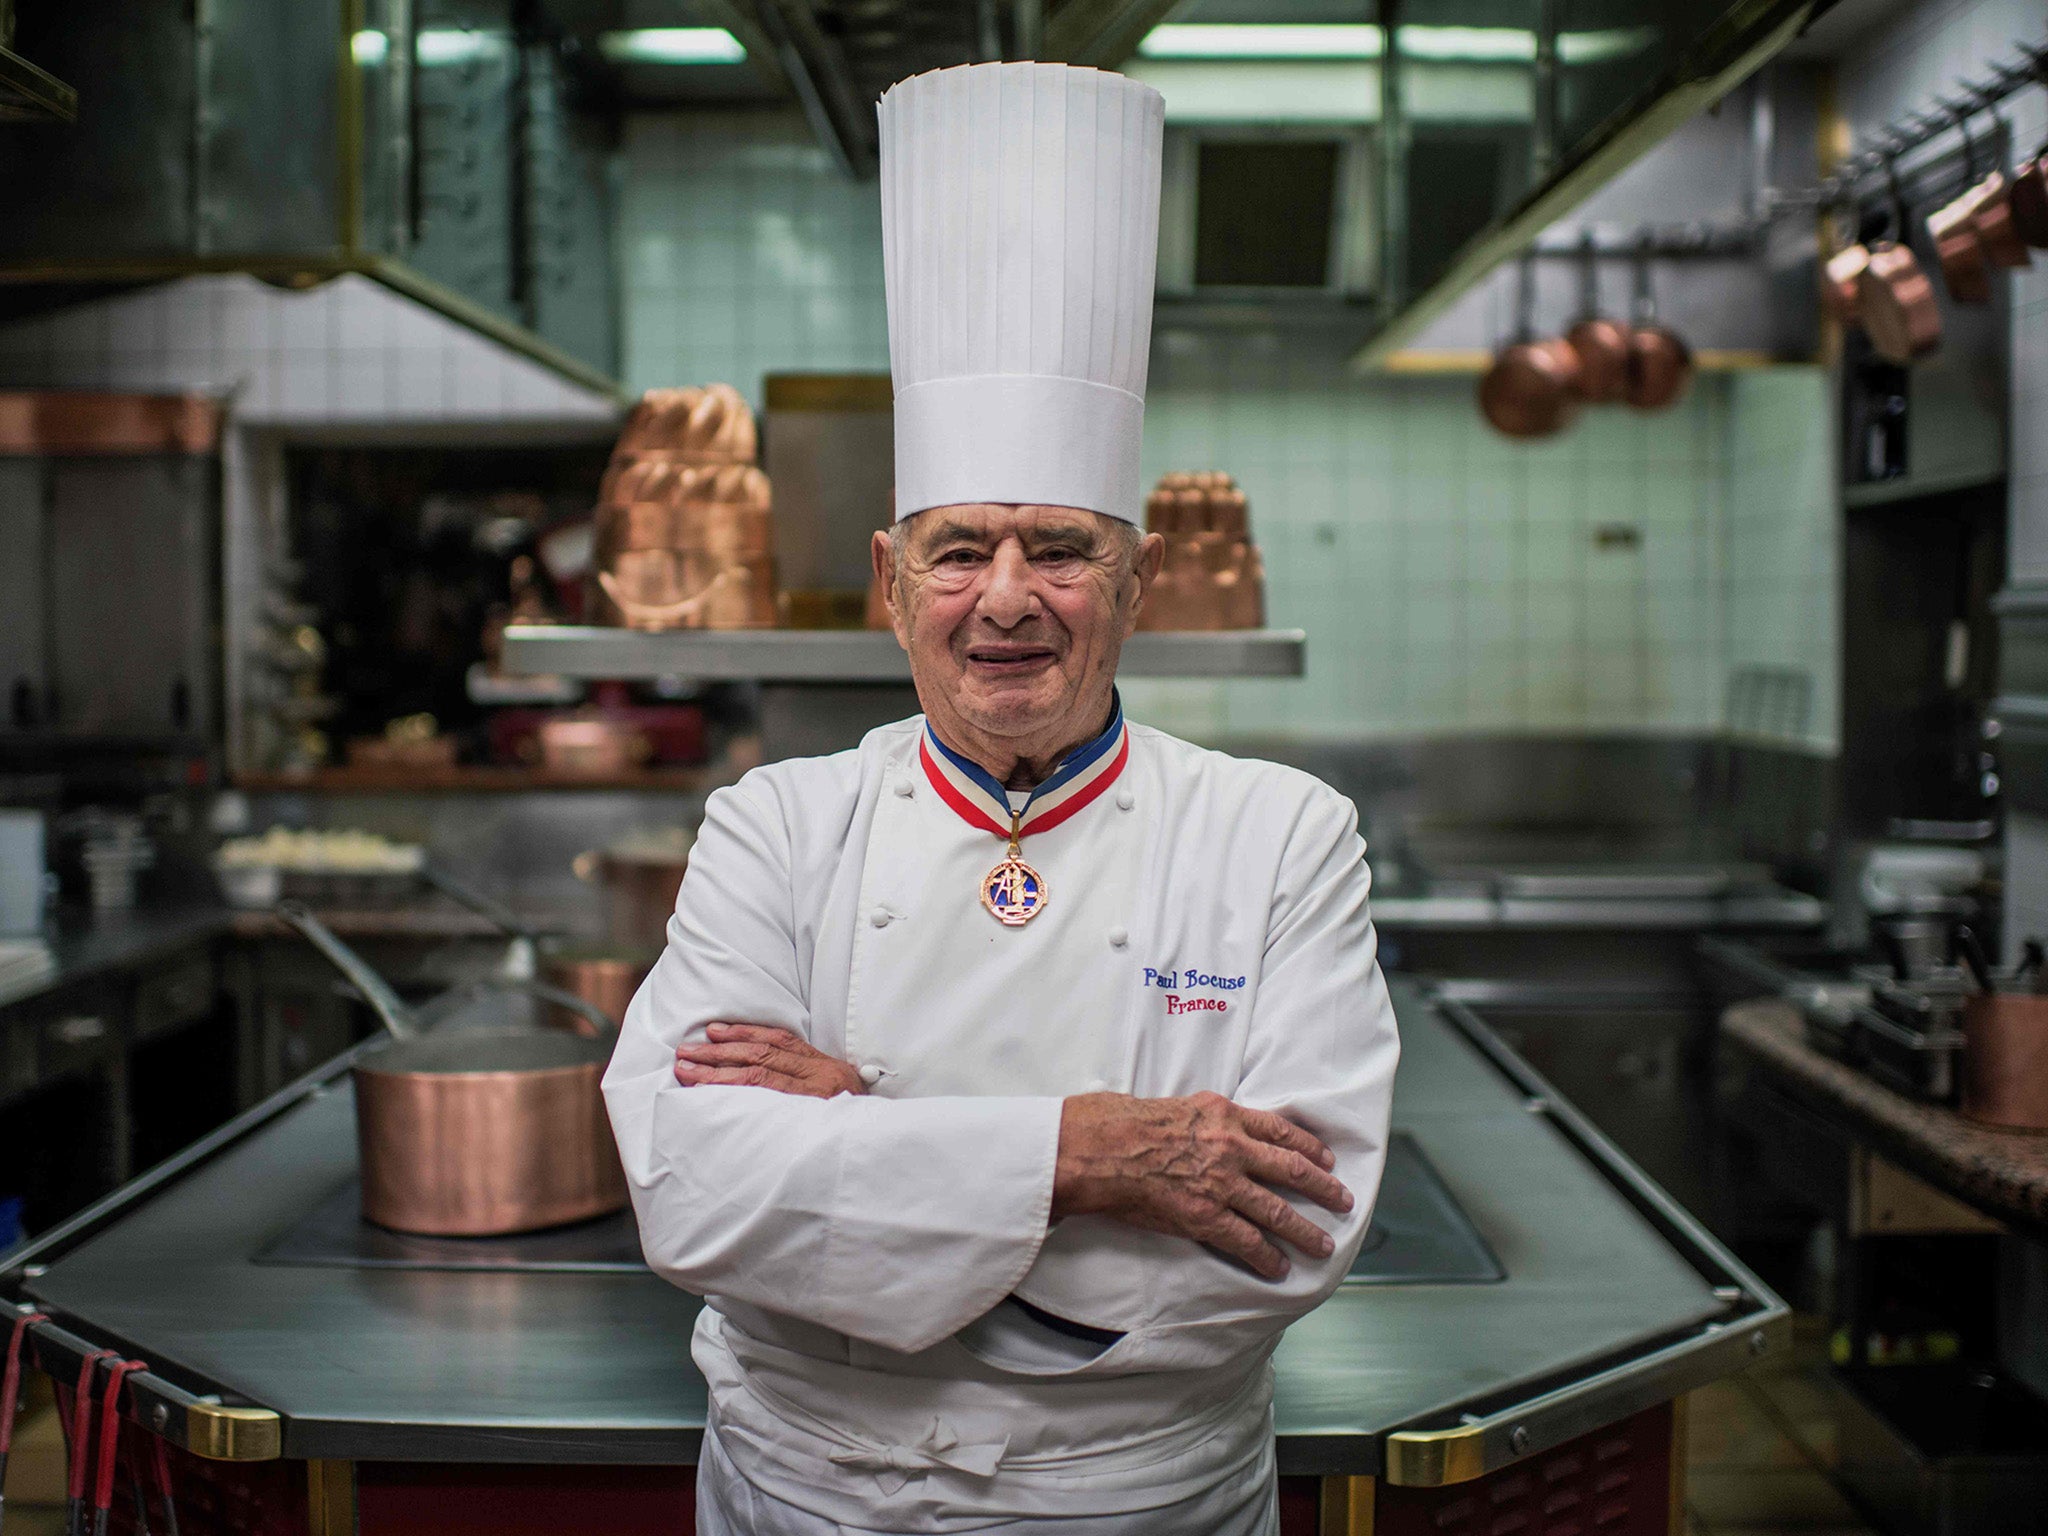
x=1013 y=892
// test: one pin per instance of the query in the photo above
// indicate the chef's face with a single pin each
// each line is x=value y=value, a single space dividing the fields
x=1014 y=616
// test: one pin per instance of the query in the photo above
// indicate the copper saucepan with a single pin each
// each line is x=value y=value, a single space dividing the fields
x=1531 y=388
x=1958 y=248
x=1900 y=312
x=1993 y=218
x=1600 y=343
x=1660 y=364
x=477 y=1131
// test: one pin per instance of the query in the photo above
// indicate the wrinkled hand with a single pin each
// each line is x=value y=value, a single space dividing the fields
x=1199 y=1167
x=760 y=1056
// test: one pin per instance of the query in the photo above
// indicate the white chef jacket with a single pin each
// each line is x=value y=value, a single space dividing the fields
x=1205 y=927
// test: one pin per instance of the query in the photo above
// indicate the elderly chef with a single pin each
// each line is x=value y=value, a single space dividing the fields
x=1010 y=1083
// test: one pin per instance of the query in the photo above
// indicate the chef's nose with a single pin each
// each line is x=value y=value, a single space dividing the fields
x=1008 y=596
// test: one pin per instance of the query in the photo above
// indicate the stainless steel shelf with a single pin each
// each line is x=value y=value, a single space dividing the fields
x=857 y=655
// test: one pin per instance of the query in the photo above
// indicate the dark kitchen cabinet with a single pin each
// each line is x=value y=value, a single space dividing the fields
x=131 y=596
x=24 y=671
x=108 y=587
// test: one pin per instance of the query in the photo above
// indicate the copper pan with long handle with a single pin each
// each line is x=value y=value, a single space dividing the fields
x=1958 y=248
x=1531 y=388
x=1660 y=365
x=1600 y=343
x=1900 y=312
x=477 y=1131
x=1993 y=217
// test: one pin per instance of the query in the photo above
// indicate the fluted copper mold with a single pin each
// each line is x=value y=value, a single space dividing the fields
x=1212 y=577
x=685 y=537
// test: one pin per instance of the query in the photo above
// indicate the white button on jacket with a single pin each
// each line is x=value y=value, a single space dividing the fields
x=852 y=1249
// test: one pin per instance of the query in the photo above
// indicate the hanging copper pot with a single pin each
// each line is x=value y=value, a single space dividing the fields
x=1660 y=364
x=2028 y=201
x=1531 y=390
x=1600 y=344
x=1900 y=311
x=1840 y=279
x=1958 y=248
x=1993 y=218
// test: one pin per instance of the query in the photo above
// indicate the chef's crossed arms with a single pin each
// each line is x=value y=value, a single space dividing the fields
x=1198 y=1167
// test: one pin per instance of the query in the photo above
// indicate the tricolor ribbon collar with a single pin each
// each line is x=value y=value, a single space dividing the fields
x=972 y=791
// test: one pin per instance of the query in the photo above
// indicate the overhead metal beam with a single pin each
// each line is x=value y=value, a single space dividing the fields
x=738 y=18
x=823 y=84
x=1101 y=32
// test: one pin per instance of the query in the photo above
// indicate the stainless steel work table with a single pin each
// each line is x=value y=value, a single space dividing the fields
x=1612 y=1302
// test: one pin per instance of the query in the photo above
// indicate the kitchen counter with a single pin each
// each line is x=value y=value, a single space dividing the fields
x=84 y=945
x=2002 y=1173
x=1774 y=908
x=1607 y=1306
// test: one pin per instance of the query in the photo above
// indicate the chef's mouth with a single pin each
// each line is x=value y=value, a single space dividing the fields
x=1009 y=659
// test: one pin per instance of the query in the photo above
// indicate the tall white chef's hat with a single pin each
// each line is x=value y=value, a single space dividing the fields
x=1020 y=232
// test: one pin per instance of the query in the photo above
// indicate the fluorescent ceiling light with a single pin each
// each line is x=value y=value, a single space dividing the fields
x=1363 y=40
x=1469 y=45
x=369 y=48
x=455 y=45
x=1605 y=46
x=672 y=45
x=1221 y=40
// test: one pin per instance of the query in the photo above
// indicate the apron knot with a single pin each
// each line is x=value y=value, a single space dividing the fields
x=938 y=1446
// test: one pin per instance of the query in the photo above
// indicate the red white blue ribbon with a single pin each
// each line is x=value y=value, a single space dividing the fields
x=973 y=792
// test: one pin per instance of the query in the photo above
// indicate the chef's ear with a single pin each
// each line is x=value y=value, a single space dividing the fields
x=882 y=555
x=1146 y=561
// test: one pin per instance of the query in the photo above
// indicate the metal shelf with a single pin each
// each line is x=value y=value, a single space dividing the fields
x=857 y=655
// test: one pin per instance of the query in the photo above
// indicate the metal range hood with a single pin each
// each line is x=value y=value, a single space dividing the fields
x=442 y=147
x=1349 y=162
x=29 y=94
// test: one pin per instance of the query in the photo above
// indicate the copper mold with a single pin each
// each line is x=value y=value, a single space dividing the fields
x=1212 y=576
x=684 y=532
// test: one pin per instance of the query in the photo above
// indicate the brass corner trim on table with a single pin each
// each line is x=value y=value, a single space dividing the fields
x=221 y=1433
x=330 y=1498
x=201 y=1425
x=1347 y=1506
x=1436 y=1458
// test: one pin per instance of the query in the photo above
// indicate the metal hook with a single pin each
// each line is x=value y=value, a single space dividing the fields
x=1959 y=118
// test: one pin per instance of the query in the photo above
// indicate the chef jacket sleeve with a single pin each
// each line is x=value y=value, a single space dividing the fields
x=896 y=1221
x=1321 y=1049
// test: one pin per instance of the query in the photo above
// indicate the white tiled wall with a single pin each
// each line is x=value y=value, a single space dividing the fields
x=745 y=254
x=1784 y=548
x=1449 y=580
x=348 y=351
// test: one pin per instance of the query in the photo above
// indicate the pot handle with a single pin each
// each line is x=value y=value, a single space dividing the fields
x=582 y=1006
x=489 y=908
x=398 y=1019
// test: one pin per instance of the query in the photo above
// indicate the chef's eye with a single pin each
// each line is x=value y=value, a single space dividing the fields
x=1058 y=554
x=960 y=557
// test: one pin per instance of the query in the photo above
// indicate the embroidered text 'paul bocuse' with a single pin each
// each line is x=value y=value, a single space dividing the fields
x=1014 y=892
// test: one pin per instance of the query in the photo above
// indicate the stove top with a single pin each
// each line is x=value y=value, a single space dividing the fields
x=1420 y=1235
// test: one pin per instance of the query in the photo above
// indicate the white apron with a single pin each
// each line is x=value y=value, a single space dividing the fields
x=1204 y=927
